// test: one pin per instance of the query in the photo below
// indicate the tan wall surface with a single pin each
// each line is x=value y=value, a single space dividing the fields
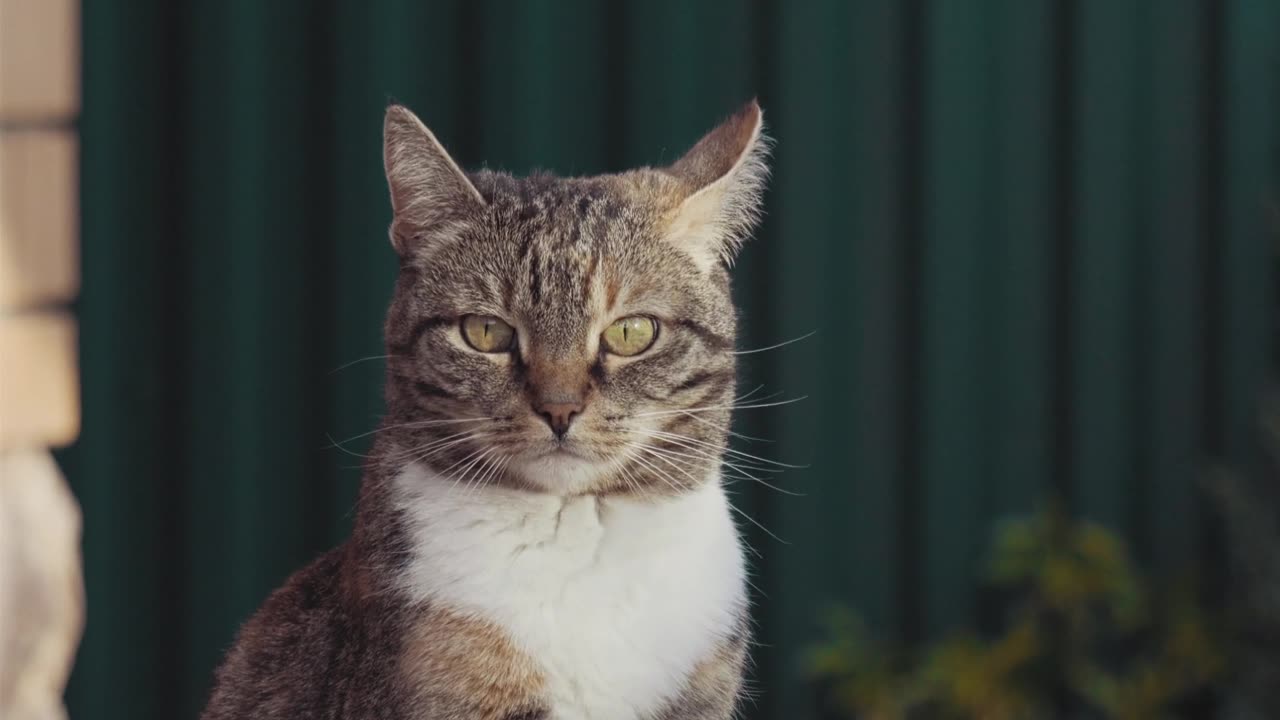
x=41 y=592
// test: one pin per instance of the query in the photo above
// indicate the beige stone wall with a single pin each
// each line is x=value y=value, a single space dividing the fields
x=41 y=591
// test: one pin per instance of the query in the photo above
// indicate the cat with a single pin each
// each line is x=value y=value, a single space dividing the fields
x=542 y=531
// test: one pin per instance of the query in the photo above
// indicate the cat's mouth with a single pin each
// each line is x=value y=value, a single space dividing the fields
x=563 y=449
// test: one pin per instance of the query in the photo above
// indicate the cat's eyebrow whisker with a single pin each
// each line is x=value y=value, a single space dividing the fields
x=357 y=361
x=709 y=408
x=785 y=343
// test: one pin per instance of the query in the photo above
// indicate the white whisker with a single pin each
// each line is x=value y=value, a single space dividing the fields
x=806 y=336
x=654 y=453
x=718 y=426
x=414 y=424
x=657 y=471
x=438 y=448
x=741 y=470
x=437 y=442
x=344 y=366
x=720 y=407
x=753 y=521
x=338 y=446
x=473 y=469
x=448 y=472
x=713 y=446
x=494 y=464
x=715 y=452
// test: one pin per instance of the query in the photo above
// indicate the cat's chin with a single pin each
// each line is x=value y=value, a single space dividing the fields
x=563 y=472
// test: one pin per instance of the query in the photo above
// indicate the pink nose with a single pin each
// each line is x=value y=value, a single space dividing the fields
x=559 y=415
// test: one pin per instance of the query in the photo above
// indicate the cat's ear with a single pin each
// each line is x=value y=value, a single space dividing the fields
x=427 y=186
x=723 y=177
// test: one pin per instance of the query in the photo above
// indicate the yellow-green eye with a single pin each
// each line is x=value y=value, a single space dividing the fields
x=630 y=335
x=488 y=334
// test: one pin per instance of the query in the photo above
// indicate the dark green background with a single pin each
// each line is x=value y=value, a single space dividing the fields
x=1032 y=236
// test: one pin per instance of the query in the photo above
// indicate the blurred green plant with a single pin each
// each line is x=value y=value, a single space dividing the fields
x=1249 y=504
x=1083 y=631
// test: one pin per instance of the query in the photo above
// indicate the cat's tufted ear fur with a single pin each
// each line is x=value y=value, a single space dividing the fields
x=723 y=177
x=427 y=186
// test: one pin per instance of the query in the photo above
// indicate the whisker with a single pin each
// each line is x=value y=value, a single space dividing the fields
x=448 y=471
x=414 y=424
x=747 y=579
x=334 y=444
x=742 y=472
x=753 y=521
x=806 y=336
x=713 y=446
x=657 y=471
x=494 y=463
x=716 y=452
x=699 y=453
x=407 y=452
x=502 y=468
x=717 y=426
x=473 y=469
x=721 y=407
x=344 y=366
x=629 y=477
x=654 y=453
x=434 y=450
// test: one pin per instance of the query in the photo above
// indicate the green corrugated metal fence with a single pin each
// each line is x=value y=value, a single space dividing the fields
x=1031 y=236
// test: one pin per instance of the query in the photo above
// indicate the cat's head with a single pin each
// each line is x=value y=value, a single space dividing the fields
x=566 y=335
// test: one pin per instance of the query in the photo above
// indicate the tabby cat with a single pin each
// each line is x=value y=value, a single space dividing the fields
x=542 y=531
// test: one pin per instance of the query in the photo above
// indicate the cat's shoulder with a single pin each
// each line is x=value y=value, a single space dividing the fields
x=283 y=653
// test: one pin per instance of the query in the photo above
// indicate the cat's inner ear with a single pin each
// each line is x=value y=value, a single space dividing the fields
x=723 y=179
x=427 y=186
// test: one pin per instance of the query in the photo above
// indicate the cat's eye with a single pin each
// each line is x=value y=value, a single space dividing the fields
x=488 y=334
x=630 y=335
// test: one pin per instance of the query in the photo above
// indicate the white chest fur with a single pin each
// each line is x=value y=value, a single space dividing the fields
x=616 y=599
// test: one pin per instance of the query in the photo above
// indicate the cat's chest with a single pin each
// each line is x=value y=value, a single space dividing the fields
x=615 y=601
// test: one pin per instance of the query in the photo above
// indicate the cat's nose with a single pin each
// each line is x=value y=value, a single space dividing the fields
x=558 y=415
